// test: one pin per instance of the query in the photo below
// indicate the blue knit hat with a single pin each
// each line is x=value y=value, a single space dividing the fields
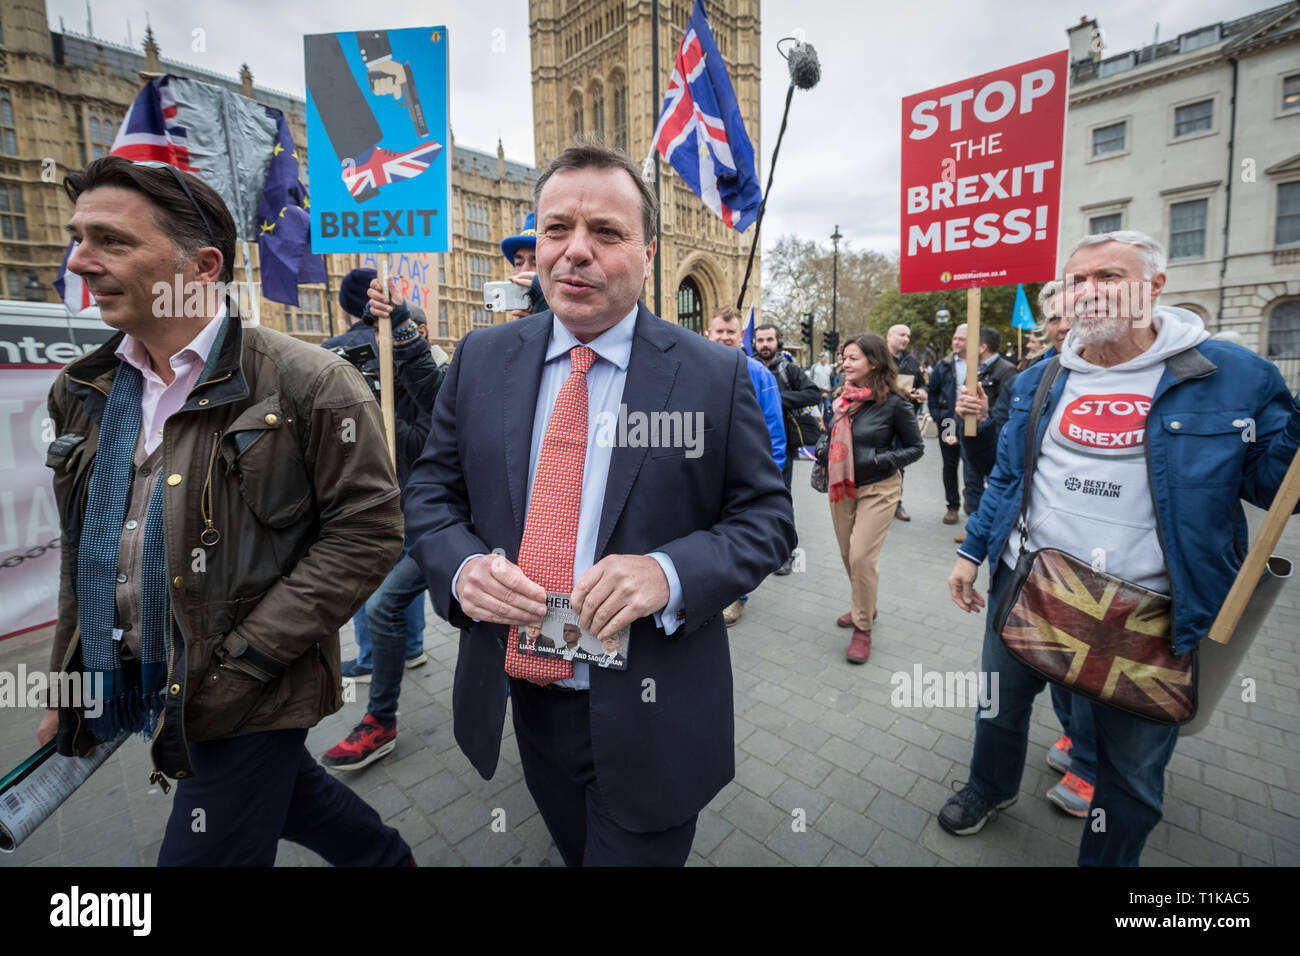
x=525 y=240
x=352 y=291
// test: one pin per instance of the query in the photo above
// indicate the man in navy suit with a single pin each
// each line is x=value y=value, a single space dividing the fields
x=674 y=523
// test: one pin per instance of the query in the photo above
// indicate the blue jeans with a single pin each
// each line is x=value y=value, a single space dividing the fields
x=414 y=632
x=1075 y=714
x=1131 y=754
x=386 y=616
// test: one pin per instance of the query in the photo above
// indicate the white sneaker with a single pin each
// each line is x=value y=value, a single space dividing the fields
x=419 y=660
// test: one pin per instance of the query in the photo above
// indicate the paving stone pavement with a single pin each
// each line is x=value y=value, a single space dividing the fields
x=827 y=771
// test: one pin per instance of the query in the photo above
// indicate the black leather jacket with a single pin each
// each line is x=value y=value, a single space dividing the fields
x=885 y=439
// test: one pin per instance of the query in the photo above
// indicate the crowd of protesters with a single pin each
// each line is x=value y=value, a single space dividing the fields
x=187 y=432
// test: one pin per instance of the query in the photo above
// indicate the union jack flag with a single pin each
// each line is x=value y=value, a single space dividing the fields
x=701 y=131
x=70 y=286
x=241 y=149
x=150 y=130
x=379 y=167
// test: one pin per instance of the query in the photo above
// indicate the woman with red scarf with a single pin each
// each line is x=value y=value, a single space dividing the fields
x=874 y=435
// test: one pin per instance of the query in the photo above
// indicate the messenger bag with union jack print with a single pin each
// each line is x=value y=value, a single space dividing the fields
x=1091 y=632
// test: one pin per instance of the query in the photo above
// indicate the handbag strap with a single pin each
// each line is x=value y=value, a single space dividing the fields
x=1050 y=372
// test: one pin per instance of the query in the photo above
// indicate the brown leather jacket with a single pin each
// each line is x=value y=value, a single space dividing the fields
x=281 y=515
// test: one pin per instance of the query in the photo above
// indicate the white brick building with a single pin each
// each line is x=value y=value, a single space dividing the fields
x=1196 y=141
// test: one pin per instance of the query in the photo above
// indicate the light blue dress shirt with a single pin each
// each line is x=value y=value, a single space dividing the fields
x=605 y=380
x=959 y=366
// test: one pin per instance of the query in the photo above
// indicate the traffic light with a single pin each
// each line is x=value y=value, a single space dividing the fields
x=831 y=341
x=806 y=326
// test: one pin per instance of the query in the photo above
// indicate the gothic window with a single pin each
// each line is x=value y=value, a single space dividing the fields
x=620 y=114
x=598 y=111
x=690 y=305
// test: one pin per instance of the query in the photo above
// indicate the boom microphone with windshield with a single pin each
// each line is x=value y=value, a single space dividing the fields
x=805 y=68
x=805 y=72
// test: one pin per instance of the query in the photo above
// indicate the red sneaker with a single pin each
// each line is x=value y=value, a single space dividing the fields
x=368 y=741
x=859 y=647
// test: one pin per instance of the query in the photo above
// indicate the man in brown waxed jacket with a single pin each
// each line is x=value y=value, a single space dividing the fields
x=227 y=501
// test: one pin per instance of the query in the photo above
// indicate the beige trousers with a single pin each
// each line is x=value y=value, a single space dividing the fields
x=861 y=524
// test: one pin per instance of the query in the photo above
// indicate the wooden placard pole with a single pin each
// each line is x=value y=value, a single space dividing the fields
x=972 y=354
x=1252 y=569
x=432 y=307
x=384 y=334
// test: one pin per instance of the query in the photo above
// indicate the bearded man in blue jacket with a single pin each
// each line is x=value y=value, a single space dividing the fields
x=1177 y=429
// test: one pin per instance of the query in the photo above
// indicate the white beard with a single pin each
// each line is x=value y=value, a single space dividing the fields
x=1101 y=331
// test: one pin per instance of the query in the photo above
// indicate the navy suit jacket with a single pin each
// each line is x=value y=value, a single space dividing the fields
x=662 y=731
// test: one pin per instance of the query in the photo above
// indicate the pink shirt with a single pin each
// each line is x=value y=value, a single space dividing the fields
x=158 y=400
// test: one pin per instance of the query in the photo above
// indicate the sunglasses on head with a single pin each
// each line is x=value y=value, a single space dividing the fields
x=176 y=174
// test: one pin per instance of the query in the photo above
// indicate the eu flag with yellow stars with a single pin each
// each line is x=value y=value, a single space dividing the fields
x=284 y=225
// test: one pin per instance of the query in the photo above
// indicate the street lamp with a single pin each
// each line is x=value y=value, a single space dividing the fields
x=941 y=319
x=835 y=276
x=33 y=291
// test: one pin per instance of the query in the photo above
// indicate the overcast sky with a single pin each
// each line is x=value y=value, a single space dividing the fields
x=839 y=160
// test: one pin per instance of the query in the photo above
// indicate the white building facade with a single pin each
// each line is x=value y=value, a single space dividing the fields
x=1196 y=141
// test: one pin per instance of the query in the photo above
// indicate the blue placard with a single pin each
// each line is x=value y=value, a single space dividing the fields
x=377 y=136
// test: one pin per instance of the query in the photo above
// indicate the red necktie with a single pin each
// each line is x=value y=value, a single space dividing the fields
x=551 y=526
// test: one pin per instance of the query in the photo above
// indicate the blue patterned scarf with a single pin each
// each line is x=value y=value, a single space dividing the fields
x=128 y=706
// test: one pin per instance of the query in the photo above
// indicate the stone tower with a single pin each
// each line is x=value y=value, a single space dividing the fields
x=592 y=72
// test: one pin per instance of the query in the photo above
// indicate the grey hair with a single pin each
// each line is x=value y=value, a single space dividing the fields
x=1152 y=252
x=1049 y=291
x=1046 y=294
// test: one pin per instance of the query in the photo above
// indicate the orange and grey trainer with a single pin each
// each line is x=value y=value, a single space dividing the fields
x=1058 y=755
x=1073 y=795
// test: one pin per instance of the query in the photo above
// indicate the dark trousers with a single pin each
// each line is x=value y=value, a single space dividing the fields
x=951 y=455
x=974 y=480
x=249 y=792
x=787 y=470
x=1075 y=714
x=553 y=730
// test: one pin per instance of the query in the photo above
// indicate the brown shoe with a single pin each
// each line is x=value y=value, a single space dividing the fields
x=960 y=537
x=951 y=517
x=732 y=613
x=901 y=513
x=859 y=647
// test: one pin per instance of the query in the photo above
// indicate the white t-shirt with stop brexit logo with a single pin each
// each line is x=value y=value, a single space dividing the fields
x=1091 y=495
